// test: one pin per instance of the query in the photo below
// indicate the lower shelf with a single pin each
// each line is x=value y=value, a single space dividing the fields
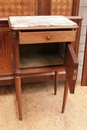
x=33 y=61
x=40 y=60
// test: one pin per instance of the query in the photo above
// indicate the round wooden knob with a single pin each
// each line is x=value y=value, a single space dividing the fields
x=48 y=37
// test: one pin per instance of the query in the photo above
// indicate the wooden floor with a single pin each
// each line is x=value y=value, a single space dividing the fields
x=42 y=109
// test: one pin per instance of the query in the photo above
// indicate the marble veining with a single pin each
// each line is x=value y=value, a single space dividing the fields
x=31 y=21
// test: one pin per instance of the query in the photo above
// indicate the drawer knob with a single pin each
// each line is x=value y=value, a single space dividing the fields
x=48 y=37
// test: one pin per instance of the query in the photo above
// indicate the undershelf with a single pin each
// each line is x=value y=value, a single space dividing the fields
x=40 y=60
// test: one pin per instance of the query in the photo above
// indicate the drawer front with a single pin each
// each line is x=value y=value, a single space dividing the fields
x=46 y=37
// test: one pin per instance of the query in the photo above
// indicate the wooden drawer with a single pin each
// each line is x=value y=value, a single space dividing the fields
x=46 y=36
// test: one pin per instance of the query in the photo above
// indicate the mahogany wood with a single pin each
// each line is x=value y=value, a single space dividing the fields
x=61 y=7
x=75 y=7
x=42 y=7
x=56 y=82
x=70 y=61
x=18 y=7
x=65 y=95
x=75 y=44
x=18 y=94
x=45 y=37
x=45 y=7
x=84 y=71
x=8 y=76
x=71 y=64
x=6 y=49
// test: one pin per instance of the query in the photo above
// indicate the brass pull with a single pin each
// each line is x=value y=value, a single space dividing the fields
x=48 y=37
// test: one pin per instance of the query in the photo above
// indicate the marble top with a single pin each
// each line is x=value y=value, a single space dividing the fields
x=20 y=22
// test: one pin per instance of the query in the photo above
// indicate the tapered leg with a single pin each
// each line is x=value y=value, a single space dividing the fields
x=65 y=95
x=18 y=93
x=56 y=82
x=16 y=89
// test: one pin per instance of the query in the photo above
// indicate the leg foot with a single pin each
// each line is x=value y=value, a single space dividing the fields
x=65 y=96
x=20 y=118
x=62 y=111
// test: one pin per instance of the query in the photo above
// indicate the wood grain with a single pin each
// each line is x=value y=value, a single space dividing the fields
x=46 y=37
x=84 y=72
x=5 y=51
x=61 y=7
x=18 y=7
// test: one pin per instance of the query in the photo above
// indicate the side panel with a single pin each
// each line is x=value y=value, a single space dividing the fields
x=6 y=50
x=84 y=72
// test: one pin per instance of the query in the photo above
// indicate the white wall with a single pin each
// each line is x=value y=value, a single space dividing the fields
x=82 y=12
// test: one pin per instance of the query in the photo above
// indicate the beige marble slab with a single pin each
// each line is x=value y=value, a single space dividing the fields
x=39 y=21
